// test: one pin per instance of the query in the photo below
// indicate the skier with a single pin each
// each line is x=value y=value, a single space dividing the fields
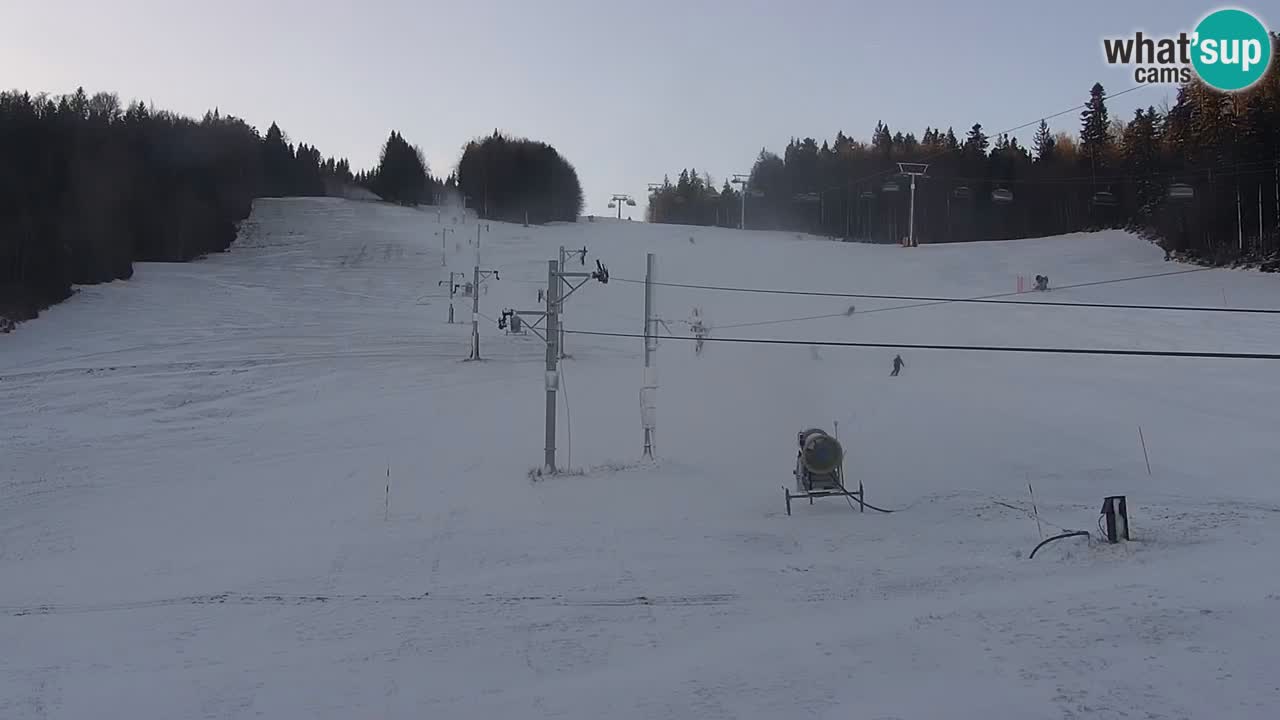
x=897 y=365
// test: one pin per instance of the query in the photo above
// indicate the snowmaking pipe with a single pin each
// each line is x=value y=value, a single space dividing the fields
x=1046 y=541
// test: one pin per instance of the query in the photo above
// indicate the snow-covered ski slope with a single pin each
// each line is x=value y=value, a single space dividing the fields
x=195 y=523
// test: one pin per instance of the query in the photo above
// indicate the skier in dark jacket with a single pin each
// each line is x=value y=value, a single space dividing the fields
x=897 y=365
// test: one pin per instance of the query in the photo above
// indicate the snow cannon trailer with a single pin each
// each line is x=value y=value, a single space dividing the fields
x=820 y=470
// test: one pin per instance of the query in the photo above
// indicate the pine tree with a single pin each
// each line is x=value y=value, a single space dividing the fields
x=401 y=175
x=977 y=142
x=882 y=141
x=952 y=143
x=1043 y=143
x=1095 y=131
x=277 y=163
x=1141 y=158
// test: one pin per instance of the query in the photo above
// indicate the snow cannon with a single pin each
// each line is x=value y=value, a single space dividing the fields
x=819 y=468
x=820 y=455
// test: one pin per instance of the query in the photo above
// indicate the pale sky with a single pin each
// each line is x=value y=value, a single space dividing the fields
x=627 y=91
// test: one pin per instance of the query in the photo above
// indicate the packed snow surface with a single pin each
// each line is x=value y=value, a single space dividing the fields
x=265 y=484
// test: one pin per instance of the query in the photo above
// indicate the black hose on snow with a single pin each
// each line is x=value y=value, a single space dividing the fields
x=1046 y=541
x=867 y=504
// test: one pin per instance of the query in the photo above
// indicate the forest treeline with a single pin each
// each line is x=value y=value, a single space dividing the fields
x=88 y=187
x=518 y=180
x=1201 y=177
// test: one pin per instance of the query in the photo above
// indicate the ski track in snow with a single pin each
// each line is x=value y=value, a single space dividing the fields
x=195 y=518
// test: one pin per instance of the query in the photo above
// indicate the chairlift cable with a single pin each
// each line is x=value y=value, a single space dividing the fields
x=1204 y=355
x=995 y=299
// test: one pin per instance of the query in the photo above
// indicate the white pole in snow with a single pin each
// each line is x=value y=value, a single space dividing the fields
x=1035 y=511
x=560 y=341
x=1239 y=221
x=553 y=354
x=475 y=303
x=914 y=170
x=475 y=313
x=1142 y=438
x=444 y=234
x=650 y=388
x=911 y=222
x=451 y=287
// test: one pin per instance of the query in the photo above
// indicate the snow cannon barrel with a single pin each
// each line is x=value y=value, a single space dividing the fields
x=820 y=453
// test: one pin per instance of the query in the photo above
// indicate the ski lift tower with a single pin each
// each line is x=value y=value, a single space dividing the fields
x=618 y=200
x=654 y=189
x=741 y=179
x=915 y=170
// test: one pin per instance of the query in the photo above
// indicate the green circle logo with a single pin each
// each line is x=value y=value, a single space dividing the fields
x=1232 y=49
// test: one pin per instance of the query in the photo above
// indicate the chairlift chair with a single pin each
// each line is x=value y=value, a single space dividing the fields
x=867 y=195
x=1181 y=192
x=1104 y=198
x=1001 y=196
x=961 y=193
x=890 y=186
